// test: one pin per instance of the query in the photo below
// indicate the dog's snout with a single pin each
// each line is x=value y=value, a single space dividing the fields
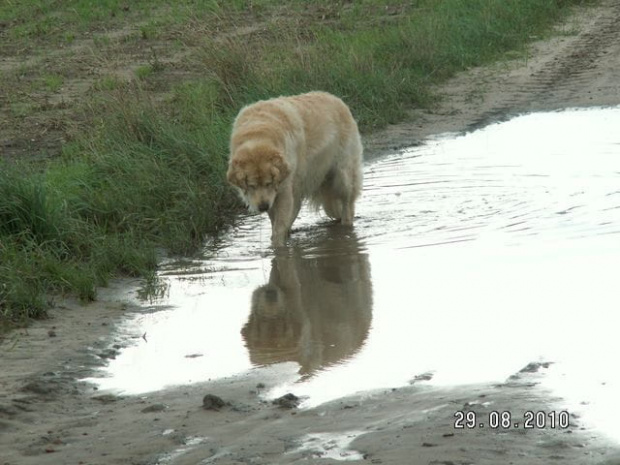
x=263 y=206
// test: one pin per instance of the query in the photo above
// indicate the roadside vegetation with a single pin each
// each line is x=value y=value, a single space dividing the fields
x=115 y=115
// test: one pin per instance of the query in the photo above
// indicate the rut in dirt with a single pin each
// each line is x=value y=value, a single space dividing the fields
x=583 y=73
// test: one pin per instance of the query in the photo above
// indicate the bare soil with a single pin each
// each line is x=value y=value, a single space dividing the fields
x=48 y=416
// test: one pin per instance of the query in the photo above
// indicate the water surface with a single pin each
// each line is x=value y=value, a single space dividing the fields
x=471 y=256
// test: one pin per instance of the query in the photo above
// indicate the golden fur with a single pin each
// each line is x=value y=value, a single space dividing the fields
x=288 y=149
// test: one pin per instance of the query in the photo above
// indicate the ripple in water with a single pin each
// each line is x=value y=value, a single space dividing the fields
x=471 y=256
x=552 y=176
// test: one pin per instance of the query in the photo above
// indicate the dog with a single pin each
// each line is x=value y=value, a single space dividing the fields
x=288 y=149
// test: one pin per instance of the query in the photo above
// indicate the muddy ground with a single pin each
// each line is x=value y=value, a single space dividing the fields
x=48 y=417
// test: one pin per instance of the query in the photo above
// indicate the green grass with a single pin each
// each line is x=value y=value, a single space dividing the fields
x=149 y=176
x=52 y=82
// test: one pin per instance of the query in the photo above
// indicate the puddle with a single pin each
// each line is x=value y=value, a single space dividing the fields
x=472 y=256
x=330 y=446
x=189 y=443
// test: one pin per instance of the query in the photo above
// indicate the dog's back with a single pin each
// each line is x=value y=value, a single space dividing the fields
x=334 y=154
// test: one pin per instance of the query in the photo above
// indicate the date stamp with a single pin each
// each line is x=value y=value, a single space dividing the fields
x=506 y=420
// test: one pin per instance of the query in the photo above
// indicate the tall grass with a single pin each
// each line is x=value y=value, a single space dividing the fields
x=150 y=176
x=160 y=175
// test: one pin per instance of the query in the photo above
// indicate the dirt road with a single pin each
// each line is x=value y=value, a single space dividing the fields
x=576 y=68
x=48 y=417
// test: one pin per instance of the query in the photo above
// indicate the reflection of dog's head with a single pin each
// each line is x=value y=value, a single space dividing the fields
x=267 y=302
x=273 y=330
x=315 y=311
x=257 y=172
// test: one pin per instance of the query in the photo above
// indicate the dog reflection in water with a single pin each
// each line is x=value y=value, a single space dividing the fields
x=315 y=311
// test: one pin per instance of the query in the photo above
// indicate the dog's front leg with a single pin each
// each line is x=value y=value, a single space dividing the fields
x=281 y=215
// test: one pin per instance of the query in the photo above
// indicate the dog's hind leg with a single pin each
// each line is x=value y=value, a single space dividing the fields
x=348 y=211
x=332 y=205
x=347 y=200
x=340 y=191
x=352 y=188
x=350 y=196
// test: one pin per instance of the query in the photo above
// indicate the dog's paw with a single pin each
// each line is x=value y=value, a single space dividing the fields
x=278 y=241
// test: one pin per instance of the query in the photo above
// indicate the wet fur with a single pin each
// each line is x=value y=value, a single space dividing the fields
x=288 y=149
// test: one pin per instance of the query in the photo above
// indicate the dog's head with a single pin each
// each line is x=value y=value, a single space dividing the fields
x=258 y=173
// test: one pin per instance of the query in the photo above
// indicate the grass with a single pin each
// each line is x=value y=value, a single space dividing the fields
x=147 y=175
x=52 y=82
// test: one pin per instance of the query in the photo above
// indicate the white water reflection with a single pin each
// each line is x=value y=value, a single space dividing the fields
x=469 y=313
x=335 y=446
x=472 y=256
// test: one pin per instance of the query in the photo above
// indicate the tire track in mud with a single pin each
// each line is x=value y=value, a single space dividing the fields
x=578 y=67
x=569 y=75
x=574 y=71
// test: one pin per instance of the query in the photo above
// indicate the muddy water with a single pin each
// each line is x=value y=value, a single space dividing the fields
x=471 y=256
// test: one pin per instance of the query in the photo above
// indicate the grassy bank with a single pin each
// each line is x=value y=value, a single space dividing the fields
x=140 y=153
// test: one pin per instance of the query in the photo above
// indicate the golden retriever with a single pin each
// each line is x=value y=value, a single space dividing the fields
x=288 y=149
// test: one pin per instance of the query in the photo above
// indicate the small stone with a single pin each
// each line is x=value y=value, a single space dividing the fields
x=154 y=408
x=287 y=401
x=107 y=398
x=212 y=402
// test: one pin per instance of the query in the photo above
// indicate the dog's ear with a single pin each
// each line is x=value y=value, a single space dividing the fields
x=230 y=175
x=235 y=175
x=280 y=168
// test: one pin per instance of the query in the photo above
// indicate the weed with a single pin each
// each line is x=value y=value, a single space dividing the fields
x=53 y=82
x=101 y=41
x=108 y=83
x=144 y=71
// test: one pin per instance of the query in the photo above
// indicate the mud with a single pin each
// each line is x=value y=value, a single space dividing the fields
x=527 y=244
